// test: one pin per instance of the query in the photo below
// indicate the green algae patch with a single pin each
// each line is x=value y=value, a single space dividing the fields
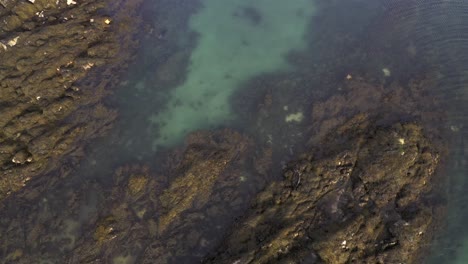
x=237 y=41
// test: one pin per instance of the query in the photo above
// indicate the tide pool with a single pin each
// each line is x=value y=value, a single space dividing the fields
x=236 y=41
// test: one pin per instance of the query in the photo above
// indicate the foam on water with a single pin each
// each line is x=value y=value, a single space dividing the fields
x=237 y=40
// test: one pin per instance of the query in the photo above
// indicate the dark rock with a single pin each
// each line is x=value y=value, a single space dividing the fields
x=355 y=203
x=53 y=76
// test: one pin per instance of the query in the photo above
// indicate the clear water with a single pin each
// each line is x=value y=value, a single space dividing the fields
x=201 y=72
x=237 y=41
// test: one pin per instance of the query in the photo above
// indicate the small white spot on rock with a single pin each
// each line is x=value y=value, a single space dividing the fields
x=32 y=1
x=386 y=72
x=295 y=117
x=343 y=245
x=12 y=42
x=401 y=141
x=88 y=66
x=70 y=2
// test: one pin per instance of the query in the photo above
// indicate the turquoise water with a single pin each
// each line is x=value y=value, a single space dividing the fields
x=237 y=40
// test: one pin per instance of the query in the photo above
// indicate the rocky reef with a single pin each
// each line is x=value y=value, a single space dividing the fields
x=350 y=177
x=365 y=190
x=361 y=197
x=59 y=60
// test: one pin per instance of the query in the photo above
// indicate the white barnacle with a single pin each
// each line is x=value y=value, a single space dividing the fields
x=88 y=66
x=343 y=244
x=12 y=42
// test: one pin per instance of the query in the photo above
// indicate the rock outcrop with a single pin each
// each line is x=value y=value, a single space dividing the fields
x=59 y=59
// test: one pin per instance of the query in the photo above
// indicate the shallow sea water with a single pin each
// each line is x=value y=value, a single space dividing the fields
x=202 y=71
x=226 y=43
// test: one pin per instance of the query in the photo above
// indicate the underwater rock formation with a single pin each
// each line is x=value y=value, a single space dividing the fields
x=363 y=191
x=142 y=216
x=174 y=213
x=366 y=191
x=59 y=59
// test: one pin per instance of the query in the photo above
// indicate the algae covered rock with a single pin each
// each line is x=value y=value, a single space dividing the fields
x=363 y=201
x=212 y=176
x=363 y=191
x=59 y=61
x=168 y=217
x=366 y=191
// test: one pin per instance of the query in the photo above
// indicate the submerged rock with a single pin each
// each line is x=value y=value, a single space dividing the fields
x=362 y=192
x=169 y=217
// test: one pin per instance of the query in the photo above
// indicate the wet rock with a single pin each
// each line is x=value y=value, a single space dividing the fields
x=212 y=167
x=143 y=206
x=363 y=202
x=197 y=182
x=390 y=103
x=56 y=67
x=362 y=192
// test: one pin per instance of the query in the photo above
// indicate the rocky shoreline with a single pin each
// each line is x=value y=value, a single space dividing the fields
x=59 y=60
x=361 y=180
